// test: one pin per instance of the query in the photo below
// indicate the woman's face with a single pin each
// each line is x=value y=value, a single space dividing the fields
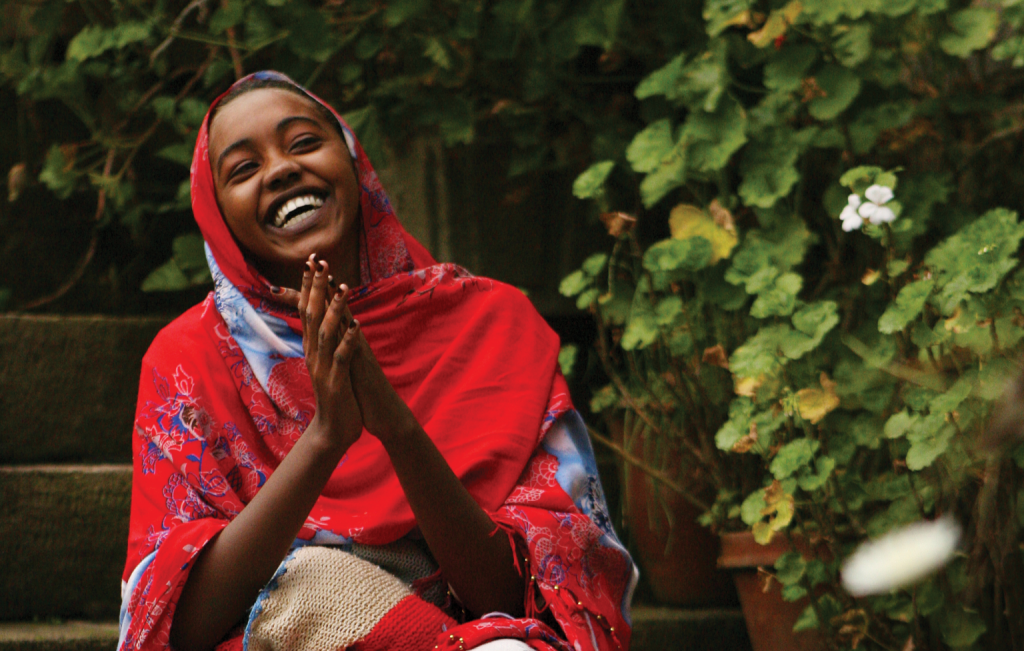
x=285 y=183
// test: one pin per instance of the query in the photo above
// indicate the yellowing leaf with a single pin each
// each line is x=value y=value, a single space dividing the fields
x=776 y=25
x=742 y=19
x=815 y=404
x=747 y=386
x=686 y=221
x=870 y=277
x=747 y=442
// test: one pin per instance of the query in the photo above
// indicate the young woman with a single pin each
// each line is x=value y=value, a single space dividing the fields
x=348 y=445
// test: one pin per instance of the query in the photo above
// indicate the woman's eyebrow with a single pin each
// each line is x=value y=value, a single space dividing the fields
x=244 y=142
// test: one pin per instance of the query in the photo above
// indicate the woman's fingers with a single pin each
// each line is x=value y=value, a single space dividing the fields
x=288 y=296
x=333 y=325
x=303 y=302
x=315 y=308
x=344 y=352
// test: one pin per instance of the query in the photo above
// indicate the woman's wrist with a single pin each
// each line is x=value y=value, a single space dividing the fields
x=324 y=442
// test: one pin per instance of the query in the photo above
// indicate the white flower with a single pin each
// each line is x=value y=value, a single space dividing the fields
x=851 y=220
x=874 y=210
x=901 y=557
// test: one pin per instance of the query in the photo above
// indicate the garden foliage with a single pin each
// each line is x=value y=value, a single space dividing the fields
x=821 y=301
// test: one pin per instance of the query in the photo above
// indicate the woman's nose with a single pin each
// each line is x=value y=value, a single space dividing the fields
x=283 y=172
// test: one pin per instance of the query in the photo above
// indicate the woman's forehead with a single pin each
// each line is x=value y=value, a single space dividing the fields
x=259 y=111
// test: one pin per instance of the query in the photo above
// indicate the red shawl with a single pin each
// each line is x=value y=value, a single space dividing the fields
x=224 y=395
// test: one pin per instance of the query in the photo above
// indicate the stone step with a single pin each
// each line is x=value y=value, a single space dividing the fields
x=63 y=540
x=68 y=387
x=63 y=636
x=654 y=629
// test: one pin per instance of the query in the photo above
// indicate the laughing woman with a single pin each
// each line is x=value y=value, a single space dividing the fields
x=347 y=444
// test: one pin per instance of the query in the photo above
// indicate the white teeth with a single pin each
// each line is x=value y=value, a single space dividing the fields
x=292 y=205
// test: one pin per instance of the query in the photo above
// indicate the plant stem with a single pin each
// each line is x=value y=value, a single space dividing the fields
x=652 y=472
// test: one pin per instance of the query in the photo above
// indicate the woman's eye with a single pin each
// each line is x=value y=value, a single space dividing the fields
x=306 y=142
x=242 y=169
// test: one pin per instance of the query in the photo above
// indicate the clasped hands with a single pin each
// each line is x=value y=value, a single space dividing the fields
x=351 y=389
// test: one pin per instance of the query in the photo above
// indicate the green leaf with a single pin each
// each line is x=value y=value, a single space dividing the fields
x=719 y=14
x=179 y=152
x=859 y=178
x=793 y=592
x=678 y=255
x=567 y=358
x=399 y=11
x=227 y=15
x=574 y=283
x=780 y=299
x=854 y=46
x=840 y=85
x=168 y=277
x=648 y=149
x=929 y=438
x=712 y=138
x=669 y=176
x=192 y=111
x=590 y=183
x=587 y=298
x=812 y=481
x=189 y=252
x=972 y=29
x=759 y=355
x=961 y=627
x=976 y=258
x=58 y=174
x=95 y=39
x=793 y=456
x=951 y=399
x=698 y=84
x=807 y=621
x=907 y=306
x=435 y=50
x=768 y=168
x=604 y=398
x=790 y=568
x=812 y=323
x=668 y=310
x=899 y=424
x=787 y=69
x=594 y=264
x=871 y=122
x=753 y=507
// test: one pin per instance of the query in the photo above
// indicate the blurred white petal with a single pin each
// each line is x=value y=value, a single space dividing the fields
x=901 y=557
x=867 y=209
x=853 y=223
x=882 y=215
x=853 y=200
x=878 y=194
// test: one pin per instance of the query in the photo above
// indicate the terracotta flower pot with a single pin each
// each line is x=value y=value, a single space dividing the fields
x=687 y=575
x=769 y=618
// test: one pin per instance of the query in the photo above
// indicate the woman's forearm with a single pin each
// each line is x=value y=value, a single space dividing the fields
x=230 y=572
x=477 y=562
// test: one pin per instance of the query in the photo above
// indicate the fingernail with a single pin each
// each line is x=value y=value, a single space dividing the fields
x=330 y=280
x=343 y=287
x=274 y=289
x=353 y=325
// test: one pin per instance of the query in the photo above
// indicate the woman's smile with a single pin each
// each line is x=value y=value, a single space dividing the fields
x=286 y=184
